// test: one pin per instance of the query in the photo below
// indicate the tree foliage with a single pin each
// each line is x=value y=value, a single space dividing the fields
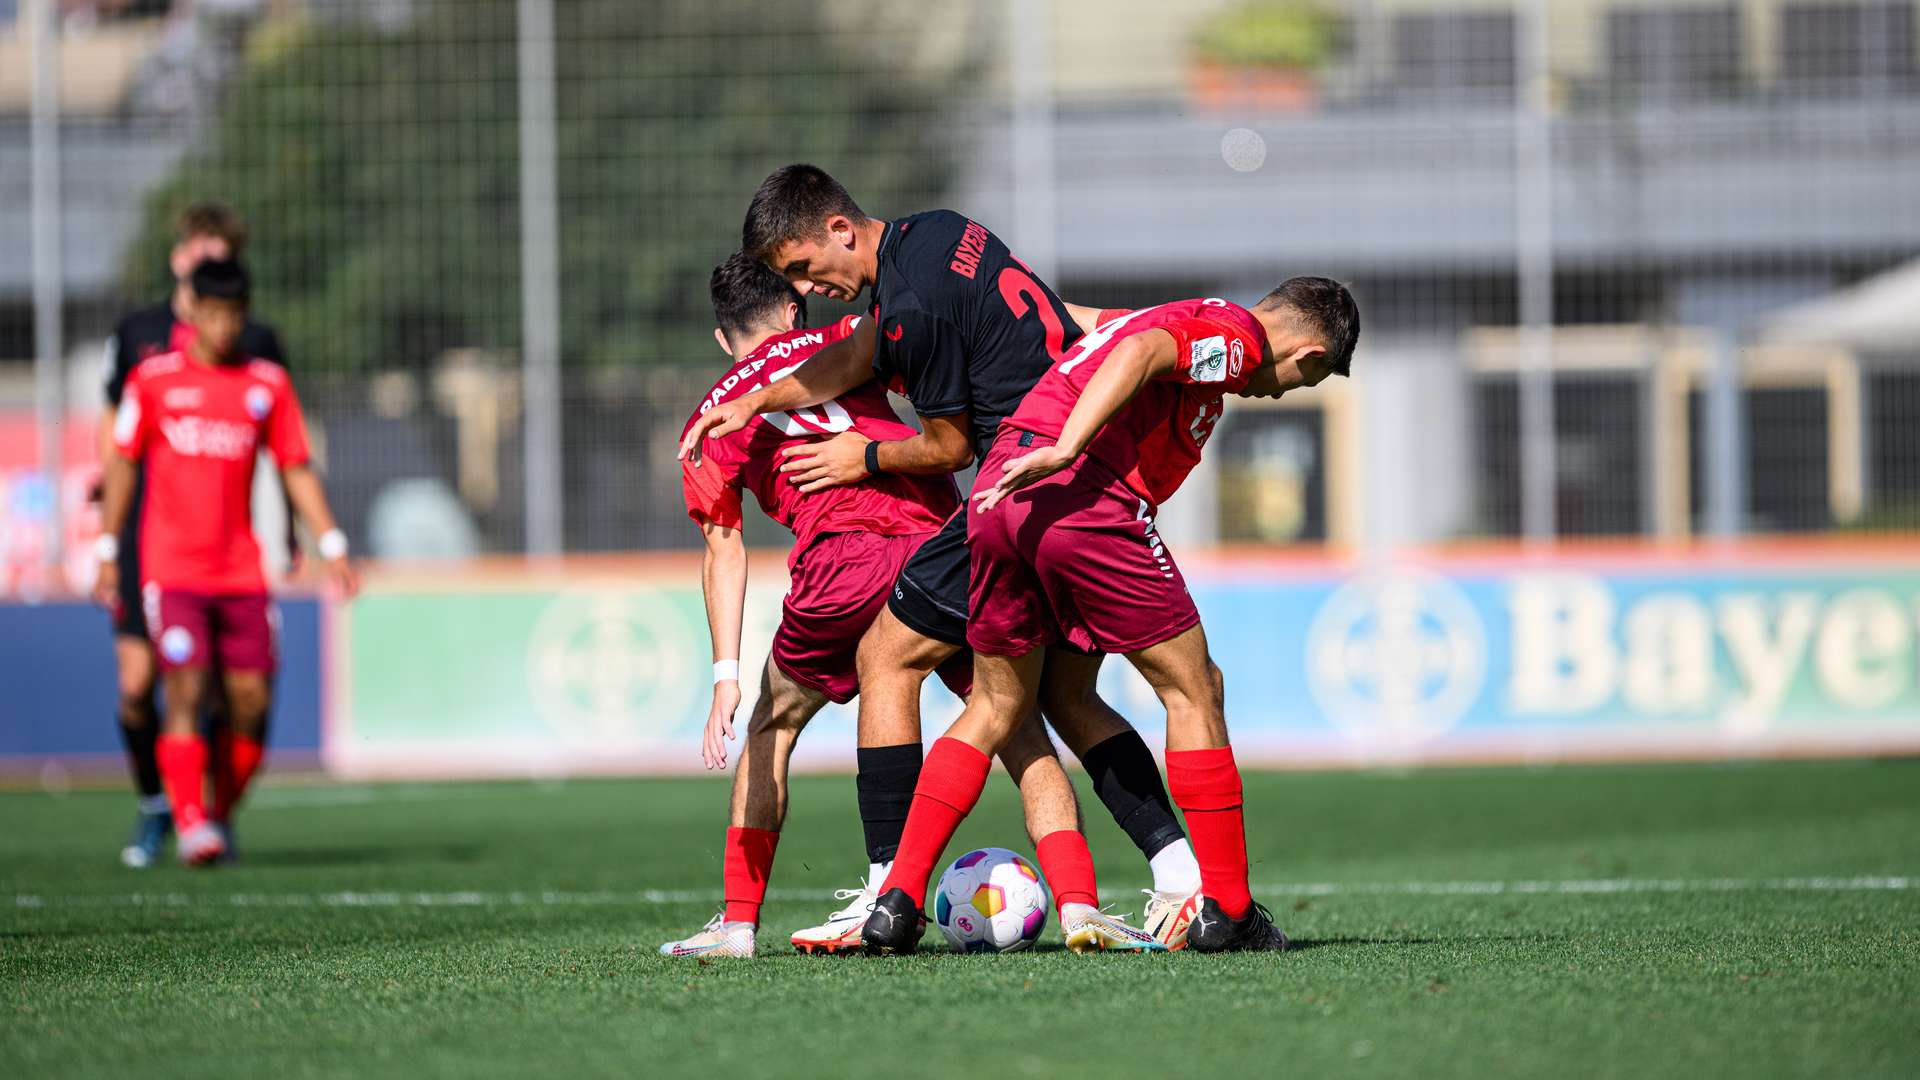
x=380 y=171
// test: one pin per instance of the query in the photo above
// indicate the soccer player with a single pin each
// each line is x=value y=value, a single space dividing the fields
x=1064 y=549
x=964 y=330
x=203 y=231
x=849 y=544
x=196 y=418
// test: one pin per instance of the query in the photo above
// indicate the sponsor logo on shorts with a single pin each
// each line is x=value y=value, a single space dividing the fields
x=1208 y=358
x=259 y=402
x=176 y=644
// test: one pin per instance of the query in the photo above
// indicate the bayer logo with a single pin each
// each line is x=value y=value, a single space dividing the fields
x=611 y=666
x=1396 y=658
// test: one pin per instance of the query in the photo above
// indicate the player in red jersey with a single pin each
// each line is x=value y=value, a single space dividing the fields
x=195 y=419
x=849 y=544
x=1063 y=549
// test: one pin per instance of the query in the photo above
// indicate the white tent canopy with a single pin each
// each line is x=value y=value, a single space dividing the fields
x=1881 y=314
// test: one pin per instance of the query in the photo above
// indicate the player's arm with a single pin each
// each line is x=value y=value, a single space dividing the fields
x=826 y=375
x=723 y=581
x=309 y=499
x=1087 y=317
x=117 y=476
x=1135 y=361
x=942 y=446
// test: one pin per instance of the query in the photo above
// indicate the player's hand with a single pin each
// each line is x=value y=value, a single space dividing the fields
x=716 y=423
x=343 y=577
x=836 y=461
x=726 y=699
x=1022 y=471
x=106 y=585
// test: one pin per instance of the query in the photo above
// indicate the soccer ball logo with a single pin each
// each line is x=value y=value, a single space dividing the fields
x=991 y=900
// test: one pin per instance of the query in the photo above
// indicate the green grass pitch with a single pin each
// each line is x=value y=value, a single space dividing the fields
x=1637 y=921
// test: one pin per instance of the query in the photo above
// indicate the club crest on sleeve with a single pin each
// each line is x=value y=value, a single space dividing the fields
x=176 y=644
x=259 y=402
x=1209 y=359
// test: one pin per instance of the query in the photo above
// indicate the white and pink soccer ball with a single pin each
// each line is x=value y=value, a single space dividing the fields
x=991 y=900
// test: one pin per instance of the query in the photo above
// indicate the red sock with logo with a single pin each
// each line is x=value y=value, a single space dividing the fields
x=1068 y=866
x=950 y=783
x=749 y=864
x=183 y=768
x=1205 y=784
x=238 y=760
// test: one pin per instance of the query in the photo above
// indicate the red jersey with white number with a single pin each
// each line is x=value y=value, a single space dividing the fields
x=198 y=428
x=749 y=459
x=1154 y=441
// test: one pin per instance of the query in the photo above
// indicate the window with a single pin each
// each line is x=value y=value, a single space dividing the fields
x=1847 y=47
x=1668 y=53
x=1442 y=53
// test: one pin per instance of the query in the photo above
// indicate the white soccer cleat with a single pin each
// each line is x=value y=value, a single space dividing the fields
x=1088 y=929
x=1169 y=914
x=718 y=938
x=841 y=932
x=202 y=845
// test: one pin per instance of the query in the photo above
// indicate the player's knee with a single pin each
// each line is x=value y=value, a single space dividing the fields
x=247 y=707
x=1216 y=685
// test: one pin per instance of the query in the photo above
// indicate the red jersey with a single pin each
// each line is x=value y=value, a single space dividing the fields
x=198 y=429
x=1154 y=441
x=887 y=505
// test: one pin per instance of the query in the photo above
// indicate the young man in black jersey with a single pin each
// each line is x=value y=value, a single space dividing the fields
x=204 y=232
x=963 y=330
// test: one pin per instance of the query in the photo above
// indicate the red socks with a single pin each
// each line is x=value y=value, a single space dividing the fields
x=238 y=760
x=950 y=783
x=1206 y=785
x=1068 y=867
x=749 y=864
x=183 y=767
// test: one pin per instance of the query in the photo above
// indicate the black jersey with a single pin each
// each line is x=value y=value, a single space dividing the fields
x=963 y=324
x=150 y=332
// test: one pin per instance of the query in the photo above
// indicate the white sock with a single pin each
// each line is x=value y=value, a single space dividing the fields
x=154 y=804
x=877 y=874
x=1174 y=868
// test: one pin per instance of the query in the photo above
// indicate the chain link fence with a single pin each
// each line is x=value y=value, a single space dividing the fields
x=1722 y=191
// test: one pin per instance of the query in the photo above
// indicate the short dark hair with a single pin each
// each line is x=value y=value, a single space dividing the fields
x=794 y=204
x=1326 y=310
x=747 y=294
x=212 y=219
x=221 y=279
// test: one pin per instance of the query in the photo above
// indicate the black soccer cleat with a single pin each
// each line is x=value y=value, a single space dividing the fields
x=1212 y=931
x=895 y=925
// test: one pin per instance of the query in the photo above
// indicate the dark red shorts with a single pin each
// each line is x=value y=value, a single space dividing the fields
x=196 y=630
x=839 y=587
x=1074 y=558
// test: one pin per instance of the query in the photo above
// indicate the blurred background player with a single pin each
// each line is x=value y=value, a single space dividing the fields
x=964 y=330
x=204 y=231
x=849 y=544
x=1074 y=557
x=196 y=417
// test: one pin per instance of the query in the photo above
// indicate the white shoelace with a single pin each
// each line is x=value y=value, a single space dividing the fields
x=853 y=909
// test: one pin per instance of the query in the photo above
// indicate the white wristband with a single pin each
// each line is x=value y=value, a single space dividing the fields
x=106 y=547
x=726 y=669
x=332 y=544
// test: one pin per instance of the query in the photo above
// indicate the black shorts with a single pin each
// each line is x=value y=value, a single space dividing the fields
x=930 y=595
x=129 y=614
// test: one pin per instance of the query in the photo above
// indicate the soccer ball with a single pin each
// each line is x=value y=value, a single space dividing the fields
x=991 y=900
